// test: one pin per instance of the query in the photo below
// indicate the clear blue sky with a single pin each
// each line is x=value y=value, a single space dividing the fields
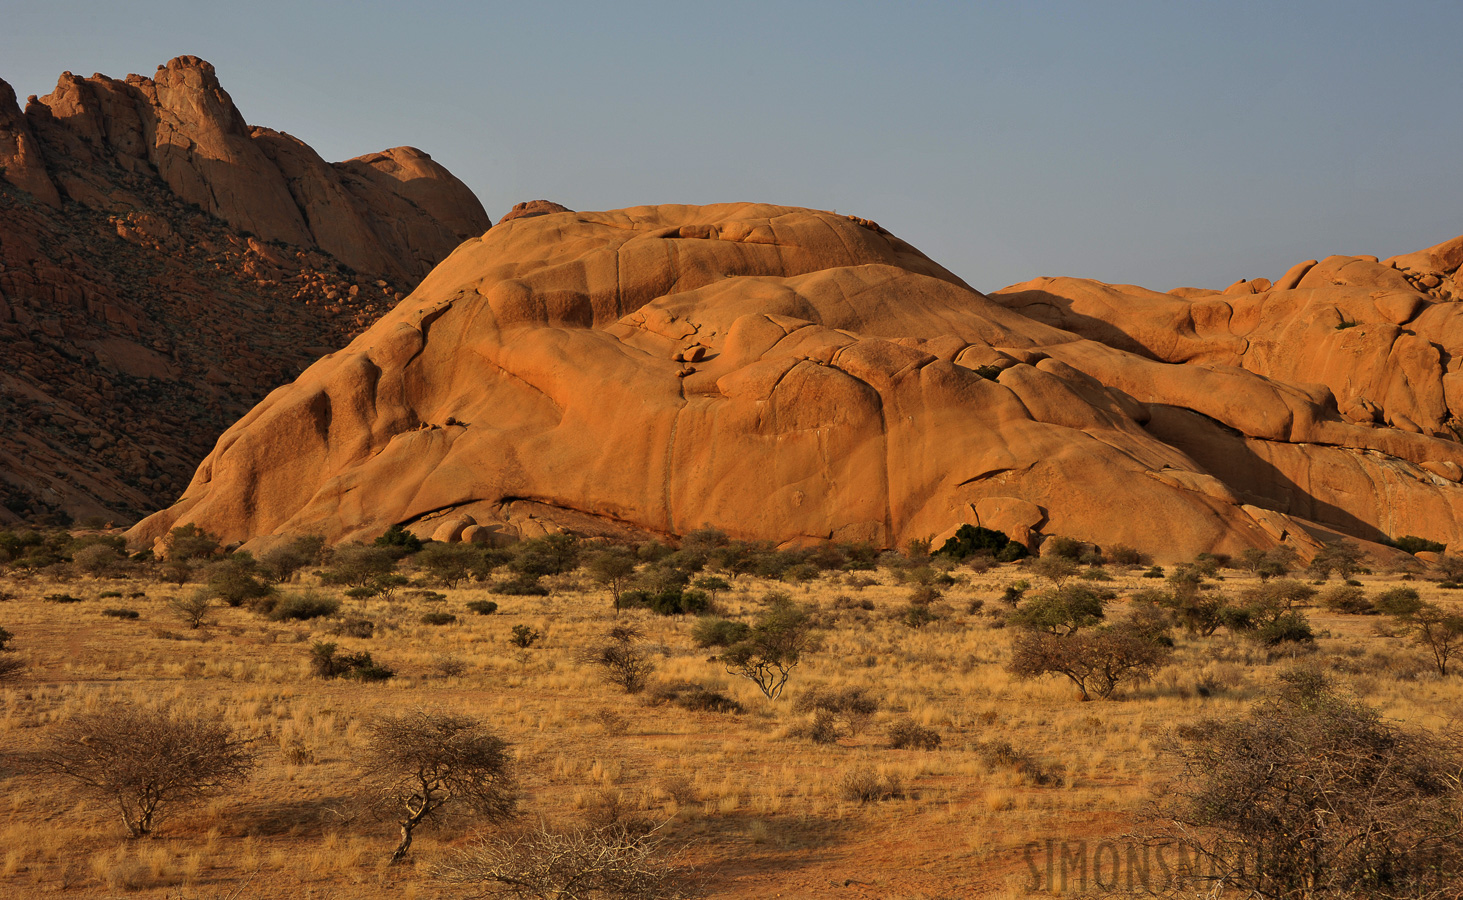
x=1158 y=143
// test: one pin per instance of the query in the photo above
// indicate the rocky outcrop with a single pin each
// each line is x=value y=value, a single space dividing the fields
x=163 y=265
x=530 y=208
x=1366 y=353
x=798 y=376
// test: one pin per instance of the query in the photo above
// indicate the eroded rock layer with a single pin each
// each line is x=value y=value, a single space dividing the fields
x=163 y=265
x=797 y=375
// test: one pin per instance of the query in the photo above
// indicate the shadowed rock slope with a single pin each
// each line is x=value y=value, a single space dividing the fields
x=796 y=375
x=163 y=265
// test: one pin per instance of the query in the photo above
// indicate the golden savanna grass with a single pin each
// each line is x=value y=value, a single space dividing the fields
x=756 y=809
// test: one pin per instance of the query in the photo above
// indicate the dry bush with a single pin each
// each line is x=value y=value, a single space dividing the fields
x=193 y=610
x=417 y=763
x=823 y=728
x=621 y=660
x=865 y=785
x=696 y=697
x=906 y=734
x=140 y=760
x=1313 y=794
x=610 y=862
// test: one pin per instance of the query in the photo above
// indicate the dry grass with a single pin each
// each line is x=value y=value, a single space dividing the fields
x=754 y=807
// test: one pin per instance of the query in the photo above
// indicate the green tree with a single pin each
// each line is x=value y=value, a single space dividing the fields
x=1437 y=630
x=777 y=643
x=614 y=569
x=1062 y=611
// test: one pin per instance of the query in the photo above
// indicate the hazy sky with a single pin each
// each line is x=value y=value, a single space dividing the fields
x=1158 y=143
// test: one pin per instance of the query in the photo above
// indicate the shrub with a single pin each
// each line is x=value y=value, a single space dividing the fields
x=398 y=541
x=1343 y=558
x=621 y=660
x=325 y=662
x=972 y=540
x=710 y=631
x=139 y=760
x=1312 y=794
x=1123 y=555
x=383 y=586
x=669 y=602
x=1287 y=627
x=1348 y=599
x=520 y=586
x=906 y=734
x=1411 y=543
x=190 y=542
x=62 y=598
x=1002 y=755
x=850 y=707
x=353 y=627
x=1401 y=601
x=822 y=729
x=356 y=565
x=438 y=618
x=192 y=610
x=97 y=560
x=1277 y=561
x=302 y=607
x=693 y=697
x=482 y=607
x=611 y=862
x=5 y=638
x=524 y=636
x=1055 y=568
x=864 y=785
x=118 y=613
x=917 y=615
x=1014 y=592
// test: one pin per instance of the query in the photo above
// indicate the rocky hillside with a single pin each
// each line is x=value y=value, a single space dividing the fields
x=798 y=376
x=164 y=265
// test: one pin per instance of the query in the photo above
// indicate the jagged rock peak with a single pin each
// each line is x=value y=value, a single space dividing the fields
x=393 y=214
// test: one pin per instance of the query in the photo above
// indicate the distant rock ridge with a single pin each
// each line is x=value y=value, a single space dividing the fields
x=798 y=376
x=164 y=264
x=393 y=214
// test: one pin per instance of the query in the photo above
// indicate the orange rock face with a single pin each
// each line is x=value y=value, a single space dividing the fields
x=796 y=375
x=163 y=265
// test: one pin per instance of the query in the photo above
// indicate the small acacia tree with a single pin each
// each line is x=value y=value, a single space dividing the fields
x=614 y=568
x=1095 y=660
x=139 y=760
x=417 y=763
x=1440 y=631
x=773 y=648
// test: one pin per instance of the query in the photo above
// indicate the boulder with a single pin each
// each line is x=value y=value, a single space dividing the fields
x=809 y=417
